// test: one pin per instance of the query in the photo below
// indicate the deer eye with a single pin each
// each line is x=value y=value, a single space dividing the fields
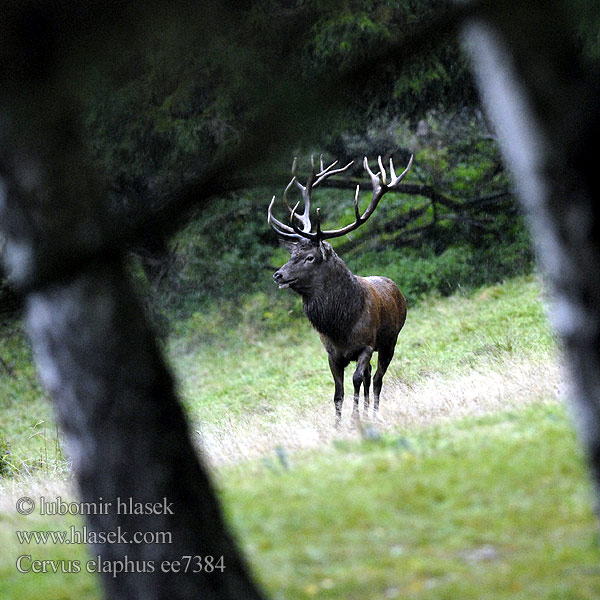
x=309 y=258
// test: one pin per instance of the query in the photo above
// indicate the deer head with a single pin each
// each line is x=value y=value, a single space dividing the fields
x=310 y=253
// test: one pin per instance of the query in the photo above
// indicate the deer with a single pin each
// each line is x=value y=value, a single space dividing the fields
x=354 y=316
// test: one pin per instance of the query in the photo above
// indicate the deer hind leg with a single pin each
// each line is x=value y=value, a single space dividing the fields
x=337 y=370
x=383 y=362
x=362 y=376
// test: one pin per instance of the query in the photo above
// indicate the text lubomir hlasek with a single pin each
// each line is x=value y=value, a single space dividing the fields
x=126 y=506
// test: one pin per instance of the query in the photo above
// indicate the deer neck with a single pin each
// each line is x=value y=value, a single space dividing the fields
x=334 y=306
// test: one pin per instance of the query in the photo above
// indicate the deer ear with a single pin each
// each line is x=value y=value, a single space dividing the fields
x=287 y=244
x=326 y=250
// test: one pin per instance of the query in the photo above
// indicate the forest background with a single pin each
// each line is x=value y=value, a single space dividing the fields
x=167 y=110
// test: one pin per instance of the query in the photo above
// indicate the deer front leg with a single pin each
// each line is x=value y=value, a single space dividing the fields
x=362 y=375
x=337 y=370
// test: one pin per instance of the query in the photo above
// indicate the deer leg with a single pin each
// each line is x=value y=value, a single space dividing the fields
x=383 y=362
x=362 y=375
x=367 y=386
x=337 y=371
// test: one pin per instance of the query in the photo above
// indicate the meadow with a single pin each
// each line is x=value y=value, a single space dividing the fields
x=469 y=484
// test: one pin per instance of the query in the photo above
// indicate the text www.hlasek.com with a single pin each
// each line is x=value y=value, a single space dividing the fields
x=82 y=535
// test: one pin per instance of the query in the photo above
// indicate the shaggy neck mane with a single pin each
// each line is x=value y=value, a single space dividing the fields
x=334 y=308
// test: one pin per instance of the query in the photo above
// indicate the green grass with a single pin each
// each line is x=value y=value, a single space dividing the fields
x=496 y=507
x=26 y=420
x=267 y=353
x=42 y=586
x=493 y=507
x=266 y=357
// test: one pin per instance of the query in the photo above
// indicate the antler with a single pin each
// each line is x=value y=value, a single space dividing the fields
x=292 y=231
x=380 y=187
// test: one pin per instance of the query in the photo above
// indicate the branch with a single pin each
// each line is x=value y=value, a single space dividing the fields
x=487 y=200
x=425 y=190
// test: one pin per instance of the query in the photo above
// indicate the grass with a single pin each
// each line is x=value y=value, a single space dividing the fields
x=494 y=507
x=270 y=359
x=26 y=420
x=489 y=507
x=473 y=486
x=41 y=586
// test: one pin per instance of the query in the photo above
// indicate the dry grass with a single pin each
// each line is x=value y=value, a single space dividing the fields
x=502 y=386
x=48 y=485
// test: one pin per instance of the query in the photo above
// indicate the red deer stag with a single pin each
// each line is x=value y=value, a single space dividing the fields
x=355 y=316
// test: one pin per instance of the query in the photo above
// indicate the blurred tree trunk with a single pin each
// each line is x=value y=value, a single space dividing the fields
x=545 y=105
x=113 y=395
x=125 y=431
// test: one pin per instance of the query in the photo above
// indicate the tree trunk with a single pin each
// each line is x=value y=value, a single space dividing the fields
x=546 y=110
x=124 y=429
x=133 y=458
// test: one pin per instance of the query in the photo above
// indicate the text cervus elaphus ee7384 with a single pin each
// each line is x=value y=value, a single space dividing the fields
x=355 y=316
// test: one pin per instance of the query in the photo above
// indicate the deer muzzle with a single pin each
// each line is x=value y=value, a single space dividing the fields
x=281 y=280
